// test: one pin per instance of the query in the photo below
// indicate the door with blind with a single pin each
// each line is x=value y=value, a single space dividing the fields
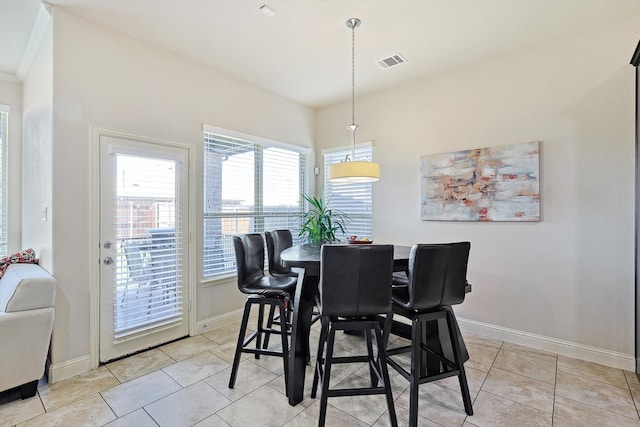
x=143 y=245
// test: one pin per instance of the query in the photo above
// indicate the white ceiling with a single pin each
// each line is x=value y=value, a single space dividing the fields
x=304 y=51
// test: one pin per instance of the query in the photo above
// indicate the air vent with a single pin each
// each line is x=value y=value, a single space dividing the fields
x=391 y=61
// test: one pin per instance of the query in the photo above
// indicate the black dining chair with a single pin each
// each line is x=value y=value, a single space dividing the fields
x=277 y=241
x=436 y=281
x=355 y=289
x=262 y=291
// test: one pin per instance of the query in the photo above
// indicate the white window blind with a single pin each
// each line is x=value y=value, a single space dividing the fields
x=4 y=209
x=249 y=187
x=149 y=286
x=354 y=199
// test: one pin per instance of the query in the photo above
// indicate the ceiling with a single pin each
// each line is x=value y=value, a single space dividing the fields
x=304 y=51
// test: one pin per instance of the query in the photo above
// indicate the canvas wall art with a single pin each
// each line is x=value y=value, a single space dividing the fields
x=484 y=184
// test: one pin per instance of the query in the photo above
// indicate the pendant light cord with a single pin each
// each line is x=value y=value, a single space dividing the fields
x=353 y=127
x=353 y=23
x=353 y=75
x=361 y=171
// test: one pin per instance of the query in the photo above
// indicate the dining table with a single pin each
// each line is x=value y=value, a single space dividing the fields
x=306 y=260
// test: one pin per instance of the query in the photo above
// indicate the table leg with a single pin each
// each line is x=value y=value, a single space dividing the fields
x=303 y=304
x=437 y=337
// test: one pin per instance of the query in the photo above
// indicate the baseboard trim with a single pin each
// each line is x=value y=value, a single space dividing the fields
x=68 y=369
x=80 y=365
x=207 y=325
x=554 y=345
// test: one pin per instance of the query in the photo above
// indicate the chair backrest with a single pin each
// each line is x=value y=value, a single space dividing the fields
x=139 y=268
x=355 y=280
x=437 y=274
x=249 y=250
x=277 y=241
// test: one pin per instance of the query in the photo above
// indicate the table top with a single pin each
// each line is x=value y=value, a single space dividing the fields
x=308 y=256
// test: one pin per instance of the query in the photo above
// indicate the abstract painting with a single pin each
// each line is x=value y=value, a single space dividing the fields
x=484 y=184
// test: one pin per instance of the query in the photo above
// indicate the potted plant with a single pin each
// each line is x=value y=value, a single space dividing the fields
x=320 y=223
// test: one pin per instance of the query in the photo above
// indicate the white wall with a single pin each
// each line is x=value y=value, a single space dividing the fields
x=105 y=79
x=11 y=95
x=37 y=155
x=570 y=277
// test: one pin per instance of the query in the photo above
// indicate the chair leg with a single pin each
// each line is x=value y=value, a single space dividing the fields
x=267 y=335
x=457 y=357
x=382 y=366
x=386 y=331
x=260 y=330
x=239 y=345
x=326 y=376
x=372 y=372
x=388 y=322
x=289 y=311
x=285 y=343
x=414 y=382
x=319 y=358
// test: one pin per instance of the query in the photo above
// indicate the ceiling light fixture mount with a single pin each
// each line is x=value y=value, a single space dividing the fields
x=267 y=10
x=352 y=170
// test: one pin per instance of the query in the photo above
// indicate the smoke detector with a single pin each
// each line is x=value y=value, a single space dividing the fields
x=392 y=61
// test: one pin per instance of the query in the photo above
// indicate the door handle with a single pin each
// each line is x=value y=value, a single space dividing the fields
x=108 y=261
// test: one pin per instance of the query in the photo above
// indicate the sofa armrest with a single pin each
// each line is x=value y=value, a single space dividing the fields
x=26 y=287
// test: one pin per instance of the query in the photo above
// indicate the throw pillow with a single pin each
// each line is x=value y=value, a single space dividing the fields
x=26 y=256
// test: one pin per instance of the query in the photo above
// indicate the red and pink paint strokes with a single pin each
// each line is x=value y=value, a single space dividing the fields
x=486 y=184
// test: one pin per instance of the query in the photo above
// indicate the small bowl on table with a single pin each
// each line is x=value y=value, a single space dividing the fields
x=354 y=240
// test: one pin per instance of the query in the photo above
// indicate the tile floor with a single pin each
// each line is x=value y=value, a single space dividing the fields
x=185 y=384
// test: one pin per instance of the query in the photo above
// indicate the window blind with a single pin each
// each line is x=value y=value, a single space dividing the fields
x=249 y=187
x=354 y=199
x=4 y=208
x=149 y=285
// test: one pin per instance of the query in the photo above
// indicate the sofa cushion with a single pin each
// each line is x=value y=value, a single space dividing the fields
x=26 y=287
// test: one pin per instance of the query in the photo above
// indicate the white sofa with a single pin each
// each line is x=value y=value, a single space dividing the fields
x=27 y=295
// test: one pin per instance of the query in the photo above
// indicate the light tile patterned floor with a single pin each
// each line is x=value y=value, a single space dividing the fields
x=185 y=384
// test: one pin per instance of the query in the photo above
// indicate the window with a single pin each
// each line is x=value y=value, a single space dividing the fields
x=353 y=199
x=250 y=185
x=4 y=211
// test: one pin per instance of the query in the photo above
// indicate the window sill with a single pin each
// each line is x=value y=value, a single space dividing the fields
x=218 y=280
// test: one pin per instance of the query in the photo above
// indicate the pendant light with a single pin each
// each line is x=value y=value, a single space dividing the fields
x=352 y=170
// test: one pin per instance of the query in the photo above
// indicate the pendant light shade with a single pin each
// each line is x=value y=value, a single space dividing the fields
x=351 y=169
x=354 y=172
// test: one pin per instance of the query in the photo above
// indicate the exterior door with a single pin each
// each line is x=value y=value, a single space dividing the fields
x=143 y=245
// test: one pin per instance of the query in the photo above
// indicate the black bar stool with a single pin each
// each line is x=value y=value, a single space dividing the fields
x=262 y=291
x=278 y=241
x=436 y=281
x=355 y=289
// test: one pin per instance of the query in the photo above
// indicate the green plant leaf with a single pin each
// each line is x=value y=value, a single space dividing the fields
x=320 y=223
